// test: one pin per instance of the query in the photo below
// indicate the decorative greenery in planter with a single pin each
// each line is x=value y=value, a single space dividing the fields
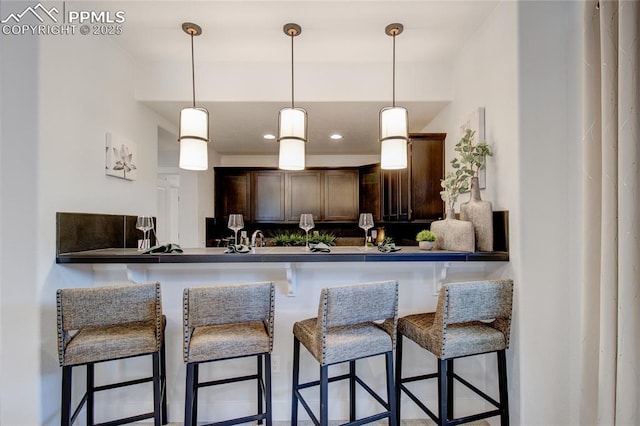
x=425 y=235
x=295 y=238
x=452 y=185
x=472 y=155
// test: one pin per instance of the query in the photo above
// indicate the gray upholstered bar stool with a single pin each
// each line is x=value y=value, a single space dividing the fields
x=226 y=322
x=108 y=323
x=353 y=322
x=471 y=318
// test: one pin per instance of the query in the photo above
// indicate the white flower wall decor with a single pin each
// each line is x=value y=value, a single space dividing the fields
x=121 y=158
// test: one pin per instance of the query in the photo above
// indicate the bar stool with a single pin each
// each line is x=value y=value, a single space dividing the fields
x=109 y=323
x=471 y=318
x=228 y=322
x=353 y=322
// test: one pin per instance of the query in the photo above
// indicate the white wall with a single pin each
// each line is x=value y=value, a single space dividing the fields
x=522 y=66
x=19 y=229
x=65 y=94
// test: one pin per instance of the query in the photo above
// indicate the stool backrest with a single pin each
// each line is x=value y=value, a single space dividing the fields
x=79 y=308
x=104 y=306
x=356 y=304
x=226 y=304
x=489 y=301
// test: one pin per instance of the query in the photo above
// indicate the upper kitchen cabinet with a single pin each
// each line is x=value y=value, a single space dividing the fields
x=304 y=194
x=370 y=190
x=268 y=196
x=340 y=195
x=427 y=168
x=411 y=194
x=233 y=193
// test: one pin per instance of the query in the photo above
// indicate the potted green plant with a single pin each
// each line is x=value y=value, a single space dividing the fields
x=425 y=239
x=480 y=213
x=452 y=185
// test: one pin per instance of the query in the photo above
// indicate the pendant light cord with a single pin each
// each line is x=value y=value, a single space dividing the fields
x=292 y=72
x=394 y=71
x=193 y=73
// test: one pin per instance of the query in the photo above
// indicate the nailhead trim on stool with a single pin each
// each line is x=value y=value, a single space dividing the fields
x=471 y=318
x=227 y=322
x=353 y=322
x=105 y=324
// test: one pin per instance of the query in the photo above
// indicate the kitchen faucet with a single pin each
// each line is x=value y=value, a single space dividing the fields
x=255 y=234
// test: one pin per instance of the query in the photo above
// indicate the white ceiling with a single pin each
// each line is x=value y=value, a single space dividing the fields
x=339 y=32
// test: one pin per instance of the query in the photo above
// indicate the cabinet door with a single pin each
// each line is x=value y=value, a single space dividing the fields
x=341 y=195
x=233 y=194
x=304 y=195
x=370 y=190
x=427 y=168
x=268 y=196
x=395 y=195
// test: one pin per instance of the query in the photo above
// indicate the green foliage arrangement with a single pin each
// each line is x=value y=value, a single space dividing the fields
x=425 y=235
x=453 y=184
x=296 y=238
x=473 y=156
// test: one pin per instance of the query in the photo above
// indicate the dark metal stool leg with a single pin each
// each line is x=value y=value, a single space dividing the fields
x=188 y=398
x=391 y=391
x=65 y=416
x=324 y=393
x=267 y=385
x=296 y=376
x=443 y=416
x=352 y=391
x=157 y=390
x=163 y=380
x=259 y=387
x=90 y=393
x=398 y=389
x=450 y=389
x=502 y=385
x=196 y=381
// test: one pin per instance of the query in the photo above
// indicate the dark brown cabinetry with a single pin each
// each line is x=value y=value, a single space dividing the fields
x=233 y=194
x=340 y=195
x=411 y=194
x=263 y=195
x=268 y=196
x=304 y=194
x=427 y=168
x=370 y=190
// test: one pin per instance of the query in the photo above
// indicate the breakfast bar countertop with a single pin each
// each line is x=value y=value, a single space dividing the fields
x=278 y=254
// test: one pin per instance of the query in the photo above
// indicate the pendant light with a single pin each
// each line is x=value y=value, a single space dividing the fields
x=194 y=122
x=292 y=122
x=393 y=121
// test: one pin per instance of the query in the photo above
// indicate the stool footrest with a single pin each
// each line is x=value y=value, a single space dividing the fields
x=122 y=384
x=317 y=382
x=229 y=380
x=369 y=419
x=477 y=391
x=126 y=420
x=256 y=417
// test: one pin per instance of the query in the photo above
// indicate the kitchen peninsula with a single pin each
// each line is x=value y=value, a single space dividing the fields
x=102 y=249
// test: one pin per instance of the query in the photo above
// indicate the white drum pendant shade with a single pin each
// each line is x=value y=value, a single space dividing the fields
x=292 y=136
x=194 y=135
x=291 y=154
x=393 y=138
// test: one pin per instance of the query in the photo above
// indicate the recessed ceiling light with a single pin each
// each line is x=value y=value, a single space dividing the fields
x=269 y=136
x=336 y=136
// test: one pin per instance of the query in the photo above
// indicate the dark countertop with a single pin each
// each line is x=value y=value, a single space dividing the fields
x=280 y=254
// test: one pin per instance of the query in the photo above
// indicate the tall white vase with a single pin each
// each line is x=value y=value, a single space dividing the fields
x=480 y=213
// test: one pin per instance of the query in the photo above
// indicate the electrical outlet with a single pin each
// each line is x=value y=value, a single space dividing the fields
x=275 y=364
